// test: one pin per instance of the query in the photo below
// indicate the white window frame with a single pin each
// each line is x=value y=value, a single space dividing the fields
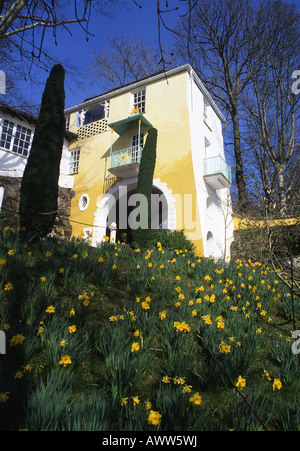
x=135 y=140
x=67 y=122
x=138 y=100
x=84 y=202
x=74 y=161
x=18 y=145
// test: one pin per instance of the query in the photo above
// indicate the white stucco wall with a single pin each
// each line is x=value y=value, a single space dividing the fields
x=214 y=205
x=13 y=165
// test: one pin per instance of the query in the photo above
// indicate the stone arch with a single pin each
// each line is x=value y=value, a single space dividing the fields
x=108 y=206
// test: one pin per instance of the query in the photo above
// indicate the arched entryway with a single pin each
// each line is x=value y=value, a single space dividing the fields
x=210 y=243
x=118 y=203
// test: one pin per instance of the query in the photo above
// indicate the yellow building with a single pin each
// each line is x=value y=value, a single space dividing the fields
x=191 y=175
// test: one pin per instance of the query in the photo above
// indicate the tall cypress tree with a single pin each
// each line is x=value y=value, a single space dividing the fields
x=39 y=188
x=145 y=182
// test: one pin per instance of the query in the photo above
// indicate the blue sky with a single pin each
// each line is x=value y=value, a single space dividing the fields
x=140 y=22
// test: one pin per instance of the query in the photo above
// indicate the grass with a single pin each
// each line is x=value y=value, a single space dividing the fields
x=119 y=339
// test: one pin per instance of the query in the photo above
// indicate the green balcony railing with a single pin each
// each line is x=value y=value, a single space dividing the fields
x=127 y=156
x=217 y=165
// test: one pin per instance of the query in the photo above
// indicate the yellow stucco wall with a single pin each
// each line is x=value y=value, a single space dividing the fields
x=167 y=110
x=246 y=223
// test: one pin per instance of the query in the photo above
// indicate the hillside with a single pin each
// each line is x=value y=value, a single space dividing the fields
x=120 y=339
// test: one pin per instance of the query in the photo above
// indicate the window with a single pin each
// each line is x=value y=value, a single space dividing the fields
x=22 y=141
x=94 y=114
x=67 y=123
x=139 y=100
x=7 y=134
x=74 y=161
x=135 y=147
x=16 y=138
x=135 y=140
x=83 y=202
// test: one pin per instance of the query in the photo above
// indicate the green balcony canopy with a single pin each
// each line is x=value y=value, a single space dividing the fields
x=122 y=126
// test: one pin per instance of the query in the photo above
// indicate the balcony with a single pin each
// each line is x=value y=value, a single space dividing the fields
x=92 y=128
x=217 y=173
x=125 y=163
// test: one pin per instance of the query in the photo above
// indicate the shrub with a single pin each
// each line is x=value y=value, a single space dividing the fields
x=170 y=239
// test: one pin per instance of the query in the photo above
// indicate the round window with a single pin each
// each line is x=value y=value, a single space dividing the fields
x=84 y=202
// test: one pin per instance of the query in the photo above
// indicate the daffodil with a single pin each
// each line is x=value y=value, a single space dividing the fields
x=135 y=347
x=196 y=399
x=124 y=401
x=17 y=340
x=50 y=309
x=277 y=384
x=207 y=319
x=136 y=400
x=9 y=286
x=154 y=417
x=65 y=360
x=4 y=397
x=113 y=318
x=241 y=383
x=163 y=314
x=224 y=348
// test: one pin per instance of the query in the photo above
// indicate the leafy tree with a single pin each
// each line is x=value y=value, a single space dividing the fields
x=39 y=188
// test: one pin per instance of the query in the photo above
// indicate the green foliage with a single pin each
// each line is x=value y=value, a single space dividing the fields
x=48 y=403
x=170 y=239
x=162 y=345
x=290 y=417
x=94 y=413
x=286 y=363
x=179 y=414
x=242 y=418
x=39 y=188
x=145 y=181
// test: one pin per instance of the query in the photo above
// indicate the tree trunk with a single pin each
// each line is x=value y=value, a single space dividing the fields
x=281 y=187
x=239 y=172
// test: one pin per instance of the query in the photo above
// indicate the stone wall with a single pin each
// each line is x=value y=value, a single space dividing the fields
x=11 y=200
